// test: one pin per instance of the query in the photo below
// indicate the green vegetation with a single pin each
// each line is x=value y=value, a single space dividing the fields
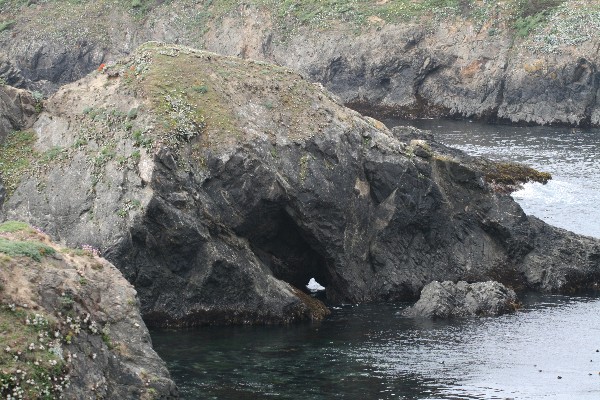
x=183 y=111
x=52 y=154
x=541 y=19
x=38 y=97
x=32 y=249
x=140 y=140
x=19 y=239
x=569 y=24
x=16 y=155
x=4 y=25
x=30 y=355
x=201 y=89
x=14 y=226
x=34 y=362
x=533 y=14
x=523 y=15
x=513 y=174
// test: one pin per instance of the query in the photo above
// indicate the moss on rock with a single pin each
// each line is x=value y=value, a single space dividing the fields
x=513 y=174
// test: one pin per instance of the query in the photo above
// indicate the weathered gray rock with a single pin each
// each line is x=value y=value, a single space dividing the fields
x=448 y=299
x=452 y=67
x=95 y=329
x=17 y=110
x=9 y=73
x=278 y=184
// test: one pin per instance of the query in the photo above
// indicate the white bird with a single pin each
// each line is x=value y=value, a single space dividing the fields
x=314 y=286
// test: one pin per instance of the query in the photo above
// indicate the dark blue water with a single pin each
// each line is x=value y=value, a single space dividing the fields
x=370 y=352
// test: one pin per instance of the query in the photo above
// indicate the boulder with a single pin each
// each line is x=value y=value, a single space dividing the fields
x=448 y=299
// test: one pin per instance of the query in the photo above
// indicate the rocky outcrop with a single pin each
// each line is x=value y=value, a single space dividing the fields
x=461 y=299
x=221 y=187
x=9 y=73
x=471 y=65
x=18 y=110
x=71 y=325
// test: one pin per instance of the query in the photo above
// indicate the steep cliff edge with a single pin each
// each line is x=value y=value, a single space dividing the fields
x=70 y=325
x=526 y=62
x=220 y=186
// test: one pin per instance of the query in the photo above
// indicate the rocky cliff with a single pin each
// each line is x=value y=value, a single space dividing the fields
x=525 y=62
x=220 y=186
x=70 y=324
x=18 y=110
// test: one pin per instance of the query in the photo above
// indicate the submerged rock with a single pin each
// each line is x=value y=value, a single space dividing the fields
x=448 y=299
x=220 y=186
x=71 y=326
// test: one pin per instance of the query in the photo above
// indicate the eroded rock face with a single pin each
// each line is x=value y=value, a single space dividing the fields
x=436 y=68
x=9 y=73
x=233 y=183
x=79 y=307
x=17 y=110
x=448 y=299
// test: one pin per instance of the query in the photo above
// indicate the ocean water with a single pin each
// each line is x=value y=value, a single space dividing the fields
x=570 y=200
x=548 y=350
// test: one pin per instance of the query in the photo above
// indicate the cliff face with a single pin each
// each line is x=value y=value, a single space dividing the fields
x=219 y=187
x=465 y=60
x=18 y=110
x=71 y=325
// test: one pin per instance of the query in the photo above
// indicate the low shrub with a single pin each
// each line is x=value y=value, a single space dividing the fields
x=31 y=249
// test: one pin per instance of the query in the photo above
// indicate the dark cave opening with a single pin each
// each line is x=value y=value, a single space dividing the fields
x=283 y=247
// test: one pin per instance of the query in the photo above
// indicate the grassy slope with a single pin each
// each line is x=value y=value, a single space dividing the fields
x=31 y=339
x=189 y=100
x=83 y=19
x=197 y=97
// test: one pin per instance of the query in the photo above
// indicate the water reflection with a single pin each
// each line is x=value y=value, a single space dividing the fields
x=370 y=352
x=308 y=361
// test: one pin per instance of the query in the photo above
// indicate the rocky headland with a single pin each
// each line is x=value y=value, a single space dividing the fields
x=70 y=325
x=529 y=62
x=220 y=186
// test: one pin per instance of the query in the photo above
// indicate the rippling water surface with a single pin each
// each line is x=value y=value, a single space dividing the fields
x=370 y=352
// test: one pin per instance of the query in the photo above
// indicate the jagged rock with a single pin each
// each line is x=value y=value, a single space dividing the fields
x=17 y=110
x=449 y=299
x=71 y=315
x=9 y=73
x=220 y=186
